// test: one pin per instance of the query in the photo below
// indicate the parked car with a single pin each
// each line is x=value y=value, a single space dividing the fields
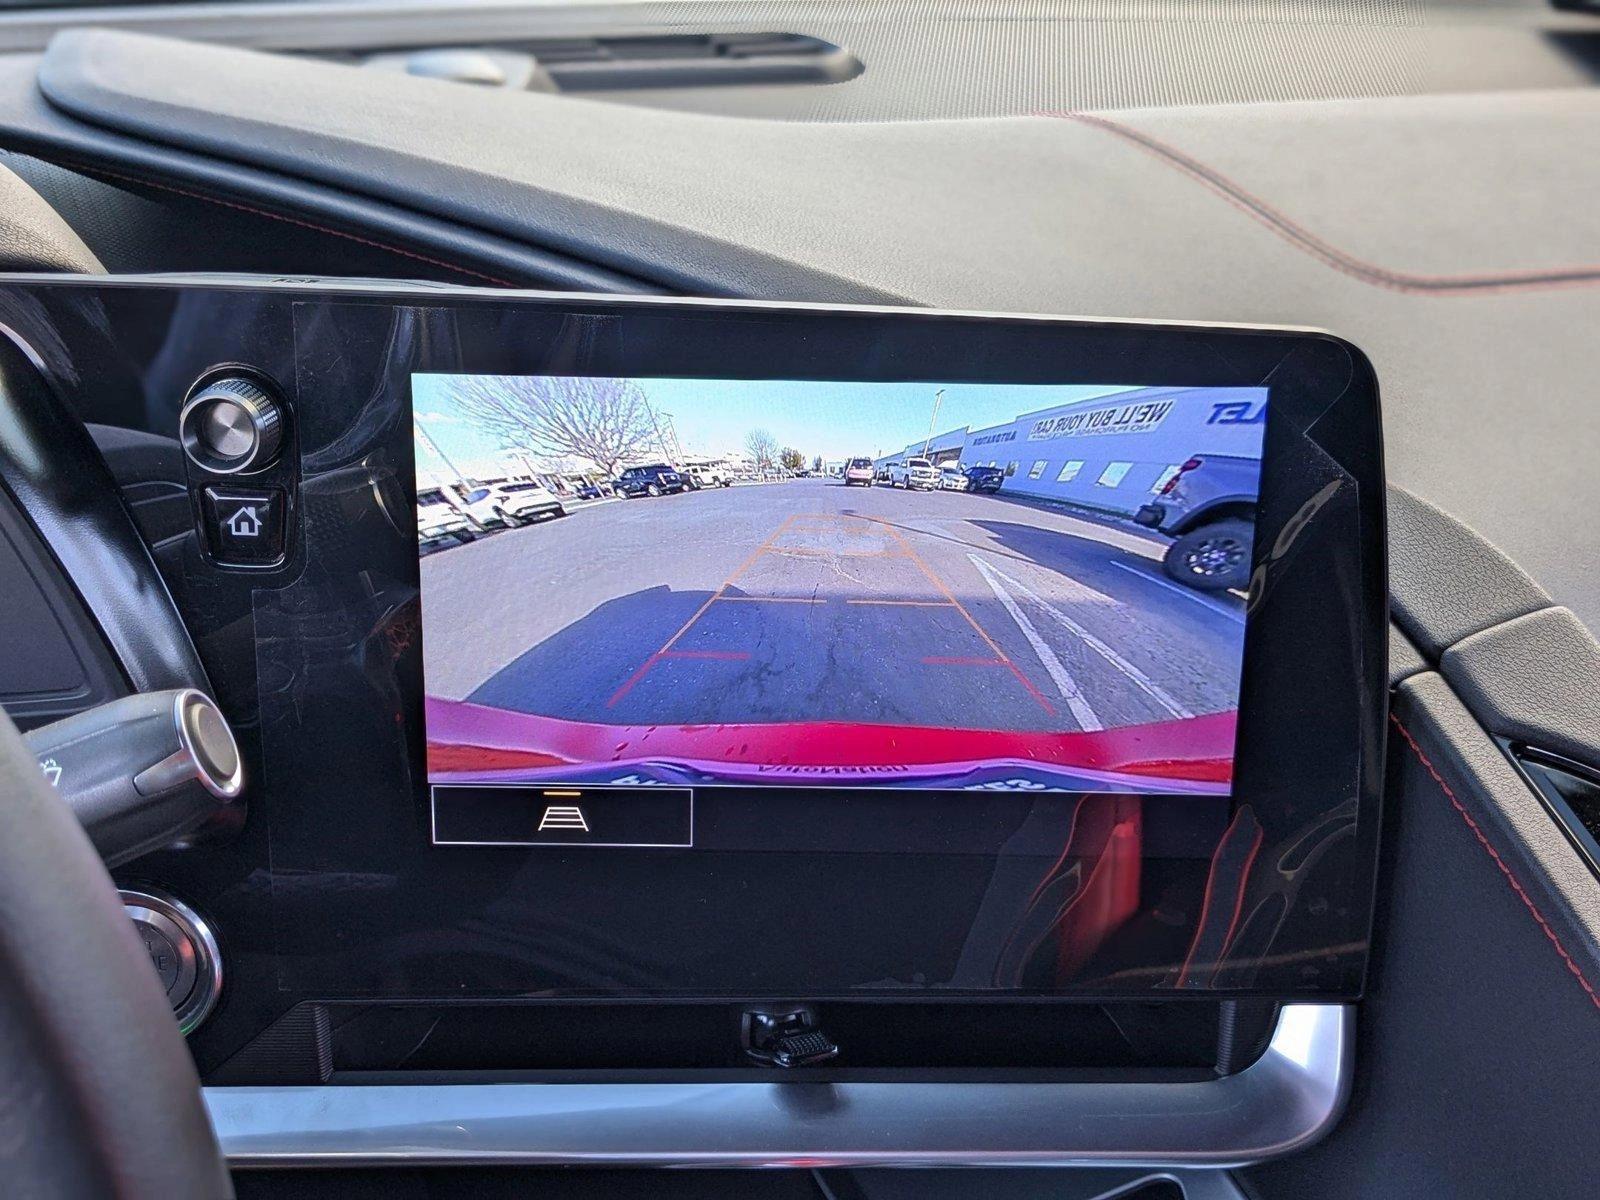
x=914 y=473
x=1209 y=508
x=439 y=522
x=710 y=476
x=593 y=491
x=507 y=504
x=881 y=475
x=655 y=479
x=478 y=503
x=952 y=478
x=858 y=470
x=520 y=503
x=984 y=479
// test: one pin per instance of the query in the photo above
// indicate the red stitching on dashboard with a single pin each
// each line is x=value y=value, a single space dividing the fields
x=312 y=225
x=1304 y=240
x=1516 y=884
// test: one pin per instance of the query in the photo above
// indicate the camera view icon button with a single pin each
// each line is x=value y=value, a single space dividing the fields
x=483 y=814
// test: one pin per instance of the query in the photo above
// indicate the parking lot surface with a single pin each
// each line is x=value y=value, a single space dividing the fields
x=811 y=601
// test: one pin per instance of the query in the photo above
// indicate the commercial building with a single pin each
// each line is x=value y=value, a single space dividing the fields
x=939 y=449
x=1111 y=453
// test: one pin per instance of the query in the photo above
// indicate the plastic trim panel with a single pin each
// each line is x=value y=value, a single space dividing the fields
x=1287 y=1099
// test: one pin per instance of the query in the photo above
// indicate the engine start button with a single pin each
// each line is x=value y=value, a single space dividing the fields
x=182 y=950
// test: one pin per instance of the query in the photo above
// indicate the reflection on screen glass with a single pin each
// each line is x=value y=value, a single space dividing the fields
x=710 y=581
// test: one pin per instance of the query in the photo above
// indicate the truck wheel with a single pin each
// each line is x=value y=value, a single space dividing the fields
x=653 y=490
x=1212 y=558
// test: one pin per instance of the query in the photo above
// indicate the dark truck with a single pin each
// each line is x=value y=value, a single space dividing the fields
x=656 y=479
x=1209 y=509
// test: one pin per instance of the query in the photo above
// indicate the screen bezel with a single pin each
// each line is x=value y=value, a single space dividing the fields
x=344 y=355
x=1323 y=399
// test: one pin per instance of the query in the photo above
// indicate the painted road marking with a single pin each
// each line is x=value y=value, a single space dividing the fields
x=808 y=552
x=720 y=593
x=1139 y=679
x=1187 y=593
x=1082 y=711
x=907 y=603
x=944 y=591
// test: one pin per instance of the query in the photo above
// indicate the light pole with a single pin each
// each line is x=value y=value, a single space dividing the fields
x=672 y=432
x=933 y=418
x=656 y=425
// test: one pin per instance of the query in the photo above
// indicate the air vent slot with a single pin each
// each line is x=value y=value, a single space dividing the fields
x=1571 y=791
x=612 y=64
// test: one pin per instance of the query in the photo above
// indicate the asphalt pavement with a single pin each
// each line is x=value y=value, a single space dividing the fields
x=809 y=600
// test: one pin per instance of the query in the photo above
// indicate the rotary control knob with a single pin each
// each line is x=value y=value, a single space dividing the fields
x=231 y=426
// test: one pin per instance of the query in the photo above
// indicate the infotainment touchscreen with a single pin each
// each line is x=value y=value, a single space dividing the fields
x=601 y=648
x=702 y=582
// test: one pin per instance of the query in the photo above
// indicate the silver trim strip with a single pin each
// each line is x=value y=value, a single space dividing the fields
x=1288 y=1099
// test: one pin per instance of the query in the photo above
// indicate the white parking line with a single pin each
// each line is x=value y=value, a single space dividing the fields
x=1187 y=593
x=1082 y=711
x=1137 y=677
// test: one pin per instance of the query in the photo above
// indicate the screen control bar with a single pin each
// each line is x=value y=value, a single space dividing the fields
x=482 y=814
x=1286 y=1100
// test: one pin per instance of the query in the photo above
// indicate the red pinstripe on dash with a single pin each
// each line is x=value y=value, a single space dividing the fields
x=1505 y=869
x=253 y=210
x=1302 y=239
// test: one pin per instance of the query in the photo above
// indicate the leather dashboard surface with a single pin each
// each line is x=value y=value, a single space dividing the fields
x=1423 y=228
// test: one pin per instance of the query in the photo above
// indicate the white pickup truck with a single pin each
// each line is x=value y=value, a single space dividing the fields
x=914 y=473
x=711 y=475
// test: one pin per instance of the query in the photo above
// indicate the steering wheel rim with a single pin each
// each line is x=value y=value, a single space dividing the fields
x=98 y=1094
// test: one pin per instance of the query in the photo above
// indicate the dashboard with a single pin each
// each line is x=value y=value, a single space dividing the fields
x=878 y=761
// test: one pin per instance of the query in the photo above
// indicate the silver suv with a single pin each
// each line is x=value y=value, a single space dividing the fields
x=1209 y=508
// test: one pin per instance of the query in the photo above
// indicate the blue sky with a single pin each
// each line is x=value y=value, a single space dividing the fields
x=835 y=420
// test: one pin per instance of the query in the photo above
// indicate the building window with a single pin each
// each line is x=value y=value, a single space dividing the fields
x=1070 y=471
x=1166 y=477
x=1011 y=469
x=1037 y=469
x=1114 y=474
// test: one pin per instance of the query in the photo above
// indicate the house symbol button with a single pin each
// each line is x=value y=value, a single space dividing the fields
x=245 y=526
x=245 y=522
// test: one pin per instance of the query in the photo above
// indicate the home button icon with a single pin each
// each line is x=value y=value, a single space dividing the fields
x=244 y=527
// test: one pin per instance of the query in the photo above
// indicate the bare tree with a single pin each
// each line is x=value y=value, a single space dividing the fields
x=816 y=464
x=763 y=447
x=606 y=421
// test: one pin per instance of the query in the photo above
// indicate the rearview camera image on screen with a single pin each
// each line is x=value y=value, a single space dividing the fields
x=699 y=582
